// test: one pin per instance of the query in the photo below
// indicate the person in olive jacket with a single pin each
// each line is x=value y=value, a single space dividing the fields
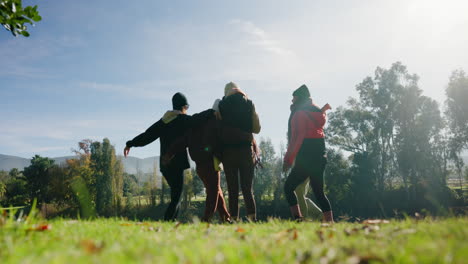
x=173 y=125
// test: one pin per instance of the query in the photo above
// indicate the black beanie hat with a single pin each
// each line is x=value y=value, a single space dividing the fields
x=302 y=92
x=179 y=100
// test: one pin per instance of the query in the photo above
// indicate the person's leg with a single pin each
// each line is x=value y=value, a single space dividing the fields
x=232 y=179
x=313 y=211
x=295 y=178
x=211 y=193
x=175 y=179
x=317 y=184
x=221 y=203
x=246 y=171
x=308 y=207
x=301 y=192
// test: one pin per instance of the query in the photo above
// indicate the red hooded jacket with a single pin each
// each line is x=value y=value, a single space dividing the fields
x=304 y=124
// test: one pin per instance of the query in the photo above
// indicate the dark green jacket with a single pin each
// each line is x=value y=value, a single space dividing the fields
x=168 y=134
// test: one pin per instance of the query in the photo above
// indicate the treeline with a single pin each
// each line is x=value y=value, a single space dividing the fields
x=391 y=152
x=92 y=184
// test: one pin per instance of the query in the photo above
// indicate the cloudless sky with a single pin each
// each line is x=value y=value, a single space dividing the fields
x=95 y=69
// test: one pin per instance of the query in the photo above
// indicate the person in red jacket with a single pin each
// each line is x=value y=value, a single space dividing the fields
x=306 y=152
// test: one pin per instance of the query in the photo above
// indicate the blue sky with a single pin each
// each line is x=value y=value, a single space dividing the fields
x=95 y=69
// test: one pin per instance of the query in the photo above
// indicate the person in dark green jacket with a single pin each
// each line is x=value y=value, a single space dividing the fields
x=168 y=129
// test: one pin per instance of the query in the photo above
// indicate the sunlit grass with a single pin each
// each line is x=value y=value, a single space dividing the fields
x=32 y=240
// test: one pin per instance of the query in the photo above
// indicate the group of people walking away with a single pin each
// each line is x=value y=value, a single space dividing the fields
x=224 y=134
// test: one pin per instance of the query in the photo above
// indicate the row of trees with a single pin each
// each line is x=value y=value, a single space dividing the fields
x=93 y=181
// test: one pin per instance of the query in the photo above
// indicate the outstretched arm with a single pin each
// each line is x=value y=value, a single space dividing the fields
x=150 y=135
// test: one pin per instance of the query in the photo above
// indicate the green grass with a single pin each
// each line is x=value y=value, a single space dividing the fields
x=121 y=241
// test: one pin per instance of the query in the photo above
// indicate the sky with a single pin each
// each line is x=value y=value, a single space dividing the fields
x=96 y=69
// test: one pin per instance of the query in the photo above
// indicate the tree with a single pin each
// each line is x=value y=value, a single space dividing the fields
x=188 y=188
x=37 y=178
x=2 y=190
x=394 y=135
x=14 y=17
x=108 y=172
x=264 y=176
x=457 y=107
x=198 y=186
x=3 y=179
x=457 y=116
x=16 y=192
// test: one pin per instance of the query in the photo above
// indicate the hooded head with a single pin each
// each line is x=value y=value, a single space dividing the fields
x=302 y=93
x=230 y=88
x=178 y=101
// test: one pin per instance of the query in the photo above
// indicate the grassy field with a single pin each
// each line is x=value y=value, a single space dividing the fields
x=120 y=241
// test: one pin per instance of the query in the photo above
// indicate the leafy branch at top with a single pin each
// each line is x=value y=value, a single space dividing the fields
x=14 y=17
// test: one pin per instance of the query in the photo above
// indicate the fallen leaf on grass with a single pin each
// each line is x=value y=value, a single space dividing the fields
x=126 y=224
x=370 y=228
x=294 y=237
x=320 y=235
x=240 y=230
x=303 y=258
x=351 y=231
x=177 y=225
x=91 y=247
x=375 y=221
x=290 y=233
x=364 y=259
x=152 y=229
x=41 y=227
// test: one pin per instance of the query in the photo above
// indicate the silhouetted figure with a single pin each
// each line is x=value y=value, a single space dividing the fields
x=306 y=150
x=203 y=142
x=173 y=125
x=237 y=111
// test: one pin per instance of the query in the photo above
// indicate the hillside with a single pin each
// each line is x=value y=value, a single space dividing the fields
x=131 y=164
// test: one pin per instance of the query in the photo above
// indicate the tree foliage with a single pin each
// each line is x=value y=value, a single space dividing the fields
x=14 y=17
x=37 y=178
x=395 y=135
x=108 y=172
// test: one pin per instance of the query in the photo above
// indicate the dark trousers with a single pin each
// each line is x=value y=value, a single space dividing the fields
x=238 y=165
x=310 y=163
x=175 y=179
x=214 y=195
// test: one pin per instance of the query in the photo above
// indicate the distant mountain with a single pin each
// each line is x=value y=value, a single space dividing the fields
x=131 y=164
x=10 y=162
